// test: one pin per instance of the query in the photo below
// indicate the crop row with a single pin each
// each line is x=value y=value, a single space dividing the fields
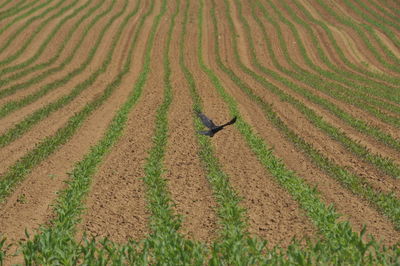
x=386 y=165
x=335 y=91
x=23 y=47
x=20 y=169
x=61 y=234
x=23 y=126
x=353 y=91
x=43 y=46
x=386 y=203
x=16 y=10
x=338 y=243
x=12 y=106
x=359 y=29
x=323 y=217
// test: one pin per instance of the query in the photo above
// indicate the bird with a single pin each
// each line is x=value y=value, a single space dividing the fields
x=210 y=124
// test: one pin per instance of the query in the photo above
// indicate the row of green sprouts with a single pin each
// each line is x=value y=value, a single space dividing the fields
x=337 y=244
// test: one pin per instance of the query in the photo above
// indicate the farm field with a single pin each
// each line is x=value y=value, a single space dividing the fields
x=101 y=162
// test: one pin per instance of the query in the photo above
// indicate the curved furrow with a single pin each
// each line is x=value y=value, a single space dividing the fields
x=13 y=127
x=25 y=33
x=385 y=9
x=40 y=32
x=64 y=46
x=185 y=176
x=377 y=30
x=357 y=95
x=5 y=3
x=102 y=161
x=92 y=129
x=374 y=22
x=388 y=60
x=394 y=156
x=19 y=7
x=80 y=183
x=21 y=18
x=351 y=181
x=391 y=164
x=327 y=25
x=379 y=13
x=51 y=91
x=46 y=121
x=327 y=87
x=306 y=18
x=249 y=177
x=47 y=146
x=36 y=50
x=20 y=123
x=258 y=145
x=80 y=51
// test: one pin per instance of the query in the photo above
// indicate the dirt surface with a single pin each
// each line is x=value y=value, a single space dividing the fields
x=293 y=118
x=29 y=206
x=187 y=181
x=48 y=126
x=116 y=205
x=271 y=212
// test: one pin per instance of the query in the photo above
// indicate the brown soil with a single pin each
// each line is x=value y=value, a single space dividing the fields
x=29 y=205
x=356 y=112
x=80 y=57
x=286 y=151
x=247 y=176
x=116 y=205
x=50 y=125
x=187 y=182
x=59 y=37
x=369 y=142
x=344 y=10
x=43 y=34
x=28 y=31
x=9 y=5
x=15 y=4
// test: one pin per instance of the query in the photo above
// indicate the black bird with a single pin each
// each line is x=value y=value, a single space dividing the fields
x=210 y=124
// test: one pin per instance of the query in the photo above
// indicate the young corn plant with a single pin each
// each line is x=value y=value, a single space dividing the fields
x=23 y=47
x=21 y=168
x=56 y=244
x=24 y=69
x=12 y=106
x=386 y=165
x=325 y=218
x=385 y=203
x=45 y=43
x=354 y=94
x=22 y=127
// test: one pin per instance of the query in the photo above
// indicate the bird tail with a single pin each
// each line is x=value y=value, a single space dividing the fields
x=230 y=122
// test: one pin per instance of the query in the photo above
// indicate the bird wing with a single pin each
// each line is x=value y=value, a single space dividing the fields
x=206 y=121
x=230 y=122
x=207 y=133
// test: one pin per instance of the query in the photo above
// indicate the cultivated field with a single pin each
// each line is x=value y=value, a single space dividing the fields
x=101 y=162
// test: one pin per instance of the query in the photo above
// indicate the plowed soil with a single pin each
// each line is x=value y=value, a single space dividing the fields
x=116 y=205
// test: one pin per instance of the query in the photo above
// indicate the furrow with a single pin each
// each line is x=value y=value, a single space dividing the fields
x=258 y=145
x=349 y=180
x=386 y=164
x=48 y=39
x=185 y=177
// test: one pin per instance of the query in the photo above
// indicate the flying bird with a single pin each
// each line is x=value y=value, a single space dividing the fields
x=210 y=124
